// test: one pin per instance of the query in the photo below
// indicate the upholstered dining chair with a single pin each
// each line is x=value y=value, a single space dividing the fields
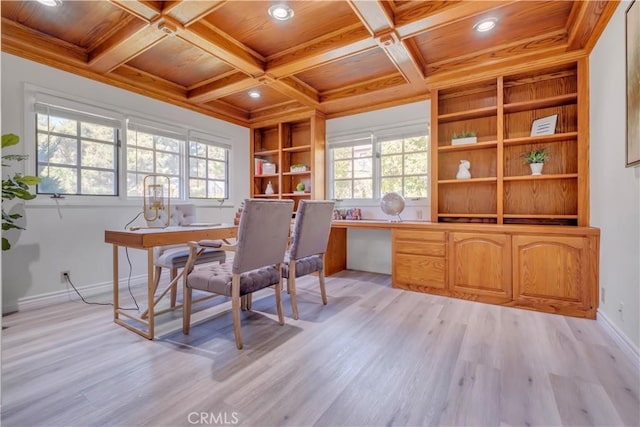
x=263 y=233
x=174 y=257
x=308 y=244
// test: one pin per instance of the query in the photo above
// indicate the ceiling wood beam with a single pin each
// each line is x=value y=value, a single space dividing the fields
x=537 y=46
x=587 y=21
x=273 y=113
x=375 y=15
x=188 y=12
x=431 y=15
x=20 y=40
x=362 y=88
x=298 y=90
x=124 y=45
x=219 y=88
x=204 y=37
x=337 y=45
x=147 y=11
x=377 y=19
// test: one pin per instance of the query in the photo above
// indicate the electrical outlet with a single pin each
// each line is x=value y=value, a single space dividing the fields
x=64 y=275
x=621 y=310
x=602 y=295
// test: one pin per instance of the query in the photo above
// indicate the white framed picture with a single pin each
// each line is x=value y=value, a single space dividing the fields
x=544 y=125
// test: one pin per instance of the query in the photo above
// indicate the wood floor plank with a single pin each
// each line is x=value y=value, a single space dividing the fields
x=373 y=356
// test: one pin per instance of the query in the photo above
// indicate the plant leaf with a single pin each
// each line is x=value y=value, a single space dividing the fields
x=9 y=139
x=28 y=179
x=16 y=157
x=5 y=244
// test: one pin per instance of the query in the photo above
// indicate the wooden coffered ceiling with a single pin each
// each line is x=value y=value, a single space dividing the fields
x=338 y=57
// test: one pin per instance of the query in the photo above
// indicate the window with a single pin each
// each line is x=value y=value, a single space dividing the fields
x=77 y=153
x=352 y=166
x=403 y=166
x=152 y=150
x=367 y=166
x=208 y=167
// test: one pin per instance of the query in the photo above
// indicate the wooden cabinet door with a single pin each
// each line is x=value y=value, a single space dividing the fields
x=480 y=266
x=552 y=273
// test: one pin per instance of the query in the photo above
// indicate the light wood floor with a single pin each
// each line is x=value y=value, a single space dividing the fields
x=375 y=356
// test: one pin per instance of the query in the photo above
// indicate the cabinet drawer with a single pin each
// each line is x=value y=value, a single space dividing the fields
x=419 y=243
x=433 y=236
x=421 y=271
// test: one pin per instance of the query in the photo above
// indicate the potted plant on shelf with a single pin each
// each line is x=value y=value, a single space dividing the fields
x=299 y=168
x=536 y=159
x=467 y=137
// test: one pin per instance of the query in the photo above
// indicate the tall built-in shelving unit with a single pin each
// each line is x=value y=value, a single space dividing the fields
x=296 y=141
x=501 y=110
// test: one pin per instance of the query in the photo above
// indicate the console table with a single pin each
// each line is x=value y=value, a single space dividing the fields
x=147 y=239
x=546 y=268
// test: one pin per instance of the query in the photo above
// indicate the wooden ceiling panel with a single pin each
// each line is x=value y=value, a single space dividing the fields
x=82 y=24
x=335 y=56
x=250 y=24
x=348 y=71
x=516 y=21
x=177 y=61
x=270 y=96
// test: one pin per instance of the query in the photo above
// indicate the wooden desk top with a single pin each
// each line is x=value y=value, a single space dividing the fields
x=146 y=238
x=467 y=227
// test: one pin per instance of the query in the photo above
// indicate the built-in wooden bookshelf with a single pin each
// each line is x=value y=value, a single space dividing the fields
x=501 y=110
x=297 y=141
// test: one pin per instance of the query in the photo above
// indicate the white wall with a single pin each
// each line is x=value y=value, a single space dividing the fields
x=615 y=190
x=370 y=250
x=72 y=237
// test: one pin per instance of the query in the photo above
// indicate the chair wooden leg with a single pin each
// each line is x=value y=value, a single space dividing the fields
x=291 y=287
x=235 y=308
x=278 y=290
x=174 y=288
x=323 y=292
x=186 y=309
x=249 y=301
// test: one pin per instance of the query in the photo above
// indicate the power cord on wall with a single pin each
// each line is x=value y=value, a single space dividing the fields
x=137 y=307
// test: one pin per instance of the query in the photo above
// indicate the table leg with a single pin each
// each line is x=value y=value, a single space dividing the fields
x=116 y=295
x=150 y=291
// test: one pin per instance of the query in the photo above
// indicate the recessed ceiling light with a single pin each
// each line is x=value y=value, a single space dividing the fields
x=254 y=94
x=281 y=12
x=485 y=25
x=51 y=3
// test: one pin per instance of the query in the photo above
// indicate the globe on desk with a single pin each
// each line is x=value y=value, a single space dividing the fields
x=392 y=204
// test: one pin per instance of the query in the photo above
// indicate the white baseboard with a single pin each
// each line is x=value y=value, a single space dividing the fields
x=628 y=347
x=57 y=297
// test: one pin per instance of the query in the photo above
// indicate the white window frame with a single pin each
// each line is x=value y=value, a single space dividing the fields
x=215 y=141
x=52 y=109
x=138 y=124
x=34 y=94
x=376 y=136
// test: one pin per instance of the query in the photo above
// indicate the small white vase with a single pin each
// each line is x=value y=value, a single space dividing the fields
x=536 y=168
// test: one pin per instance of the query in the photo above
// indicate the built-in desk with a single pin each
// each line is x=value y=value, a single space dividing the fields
x=545 y=268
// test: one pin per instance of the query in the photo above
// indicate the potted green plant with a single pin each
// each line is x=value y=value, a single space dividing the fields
x=536 y=159
x=14 y=187
x=466 y=137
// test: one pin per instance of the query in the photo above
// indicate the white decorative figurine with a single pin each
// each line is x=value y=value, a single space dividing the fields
x=463 y=170
x=269 y=189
